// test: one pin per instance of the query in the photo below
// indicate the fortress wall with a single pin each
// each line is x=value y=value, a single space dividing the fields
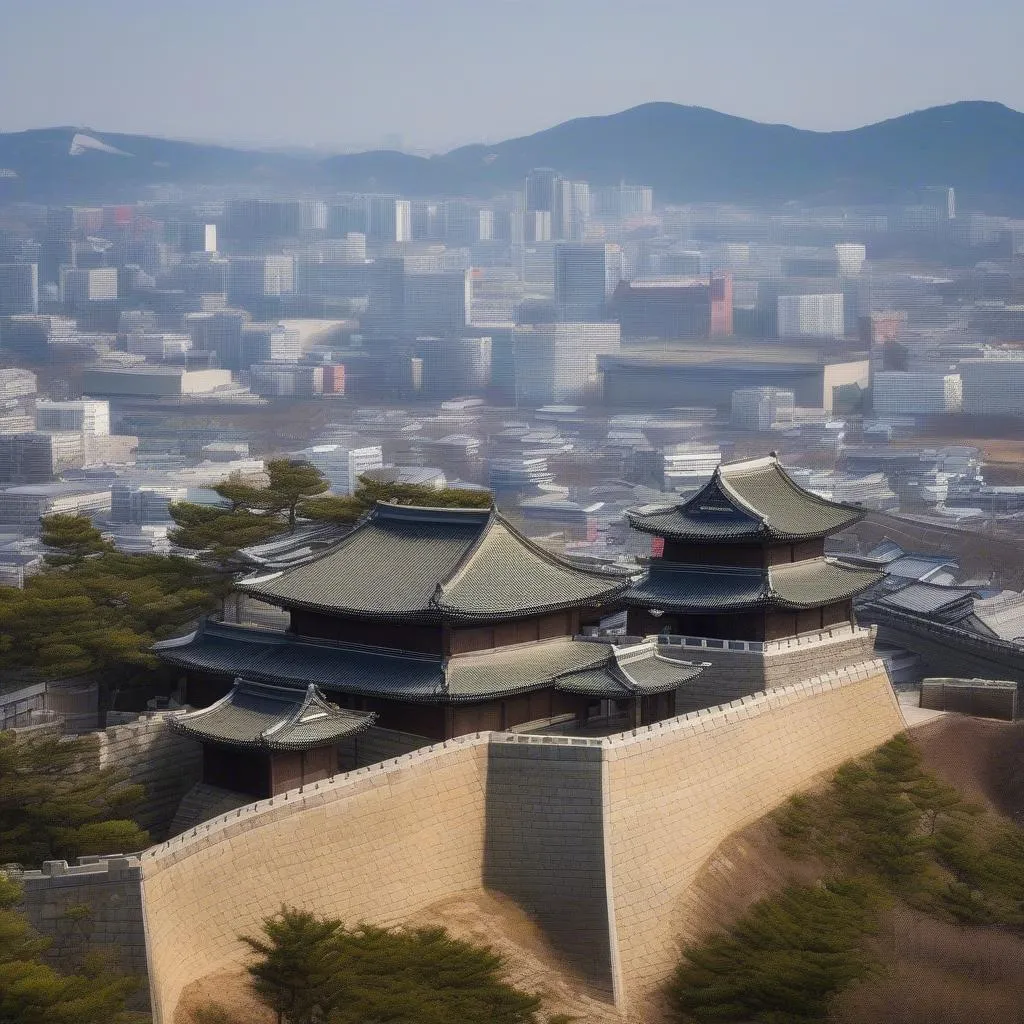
x=154 y=756
x=377 y=844
x=735 y=674
x=376 y=744
x=545 y=843
x=94 y=906
x=677 y=789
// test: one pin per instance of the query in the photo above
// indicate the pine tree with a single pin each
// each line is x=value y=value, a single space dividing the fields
x=291 y=483
x=54 y=805
x=312 y=969
x=71 y=538
x=32 y=992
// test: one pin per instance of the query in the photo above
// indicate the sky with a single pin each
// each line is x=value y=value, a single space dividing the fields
x=431 y=74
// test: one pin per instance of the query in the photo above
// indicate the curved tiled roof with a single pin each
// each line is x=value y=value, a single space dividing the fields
x=750 y=500
x=294 y=663
x=406 y=563
x=257 y=715
x=698 y=588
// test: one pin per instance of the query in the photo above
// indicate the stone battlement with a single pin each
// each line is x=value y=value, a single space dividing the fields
x=597 y=838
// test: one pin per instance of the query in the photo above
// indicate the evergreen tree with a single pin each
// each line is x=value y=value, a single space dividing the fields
x=100 y=612
x=291 y=483
x=32 y=992
x=55 y=805
x=71 y=538
x=311 y=969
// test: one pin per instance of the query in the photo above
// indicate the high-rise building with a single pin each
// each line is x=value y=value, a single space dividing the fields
x=388 y=219
x=621 y=202
x=438 y=303
x=916 y=394
x=558 y=363
x=761 y=408
x=269 y=342
x=341 y=465
x=219 y=332
x=586 y=277
x=31 y=336
x=87 y=416
x=257 y=277
x=78 y=287
x=675 y=309
x=544 y=197
x=143 y=505
x=574 y=209
x=19 y=288
x=811 y=316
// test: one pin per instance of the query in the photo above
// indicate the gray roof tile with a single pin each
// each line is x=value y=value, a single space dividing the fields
x=291 y=661
x=750 y=500
x=807 y=584
x=257 y=715
x=414 y=563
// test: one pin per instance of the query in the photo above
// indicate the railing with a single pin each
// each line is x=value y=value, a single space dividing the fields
x=840 y=632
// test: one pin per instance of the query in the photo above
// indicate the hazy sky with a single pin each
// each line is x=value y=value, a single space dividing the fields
x=344 y=73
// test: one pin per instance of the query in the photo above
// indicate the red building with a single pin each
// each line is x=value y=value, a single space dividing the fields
x=673 y=309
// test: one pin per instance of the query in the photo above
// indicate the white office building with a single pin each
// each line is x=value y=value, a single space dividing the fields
x=762 y=408
x=558 y=363
x=88 y=416
x=343 y=466
x=811 y=316
x=897 y=393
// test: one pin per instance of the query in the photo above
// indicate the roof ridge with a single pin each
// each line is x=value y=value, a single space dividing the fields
x=721 y=484
x=463 y=563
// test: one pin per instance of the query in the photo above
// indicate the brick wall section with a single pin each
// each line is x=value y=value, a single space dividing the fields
x=677 y=789
x=376 y=744
x=946 y=650
x=94 y=906
x=154 y=756
x=985 y=698
x=545 y=843
x=734 y=674
x=377 y=844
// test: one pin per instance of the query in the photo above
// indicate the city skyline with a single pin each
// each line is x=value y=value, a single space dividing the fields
x=489 y=71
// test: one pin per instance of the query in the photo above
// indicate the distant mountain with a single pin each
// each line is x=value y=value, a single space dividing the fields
x=89 y=166
x=686 y=153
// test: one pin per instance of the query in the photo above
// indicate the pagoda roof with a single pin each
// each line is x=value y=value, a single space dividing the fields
x=678 y=586
x=427 y=564
x=258 y=715
x=751 y=500
x=292 y=662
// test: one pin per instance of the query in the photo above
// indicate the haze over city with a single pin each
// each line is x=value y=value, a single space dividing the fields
x=577 y=576
x=432 y=75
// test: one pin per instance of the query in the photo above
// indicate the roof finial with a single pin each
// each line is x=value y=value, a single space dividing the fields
x=773 y=454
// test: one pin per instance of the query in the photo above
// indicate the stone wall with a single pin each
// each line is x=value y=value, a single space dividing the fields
x=545 y=843
x=677 y=789
x=377 y=844
x=93 y=906
x=154 y=756
x=598 y=839
x=986 y=698
x=376 y=744
x=732 y=674
x=947 y=650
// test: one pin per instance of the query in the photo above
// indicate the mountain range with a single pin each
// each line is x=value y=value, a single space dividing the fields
x=689 y=154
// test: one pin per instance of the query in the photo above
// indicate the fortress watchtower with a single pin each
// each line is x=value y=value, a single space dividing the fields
x=744 y=559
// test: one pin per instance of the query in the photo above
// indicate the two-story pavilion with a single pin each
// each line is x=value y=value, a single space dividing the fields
x=441 y=622
x=744 y=559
